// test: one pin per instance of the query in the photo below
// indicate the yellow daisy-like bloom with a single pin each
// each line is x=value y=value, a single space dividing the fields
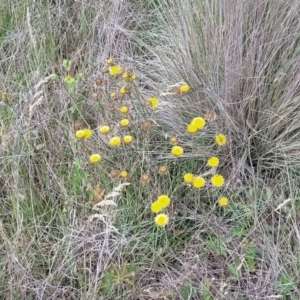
x=223 y=201
x=115 y=141
x=220 y=139
x=198 y=122
x=124 y=122
x=164 y=200
x=177 y=150
x=79 y=134
x=87 y=133
x=213 y=161
x=113 y=95
x=124 y=109
x=161 y=220
x=184 y=88
x=153 y=102
x=217 y=180
x=95 y=158
x=199 y=182
x=4 y=96
x=123 y=174
x=127 y=139
x=123 y=90
x=156 y=207
x=104 y=129
x=191 y=128
x=188 y=178
x=114 y=70
x=128 y=77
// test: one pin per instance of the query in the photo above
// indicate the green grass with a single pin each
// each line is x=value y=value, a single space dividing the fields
x=241 y=59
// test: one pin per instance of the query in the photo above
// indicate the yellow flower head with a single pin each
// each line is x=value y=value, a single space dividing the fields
x=188 y=178
x=87 y=134
x=123 y=90
x=114 y=70
x=95 y=158
x=110 y=61
x=164 y=200
x=79 y=134
x=174 y=140
x=220 y=139
x=124 y=122
x=184 y=88
x=104 y=129
x=223 y=201
x=123 y=174
x=191 y=128
x=115 y=141
x=127 y=139
x=161 y=220
x=177 y=150
x=4 y=96
x=198 y=182
x=198 y=122
x=213 y=161
x=124 y=109
x=153 y=102
x=163 y=170
x=156 y=207
x=128 y=76
x=217 y=180
x=113 y=95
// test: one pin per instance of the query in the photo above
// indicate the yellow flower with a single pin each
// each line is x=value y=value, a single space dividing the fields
x=110 y=61
x=123 y=174
x=115 y=141
x=124 y=109
x=188 y=178
x=220 y=139
x=213 y=161
x=153 y=102
x=198 y=182
x=127 y=139
x=87 y=134
x=123 y=90
x=217 y=180
x=223 y=201
x=156 y=207
x=113 y=95
x=161 y=220
x=79 y=134
x=177 y=150
x=95 y=158
x=164 y=200
x=184 y=88
x=104 y=129
x=114 y=70
x=128 y=76
x=198 y=122
x=124 y=122
x=191 y=128
x=4 y=96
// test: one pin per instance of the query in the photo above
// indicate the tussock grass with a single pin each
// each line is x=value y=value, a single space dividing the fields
x=70 y=231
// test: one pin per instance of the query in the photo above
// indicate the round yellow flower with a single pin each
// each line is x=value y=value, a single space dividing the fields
x=95 y=158
x=114 y=70
x=113 y=95
x=198 y=122
x=198 y=182
x=123 y=90
x=79 y=134
x=188 y=178
x=115 y=141
x=184 y=88
x=213 y=161
x=127 y=139
x=123 y=174
x=87 y=133
x=220 y=139
x=191 y=128
x=153 y=102
x=110 y=61
x=4 y=96
x=124 y=122
x=177 y=150
x=217 y=180
x=164 y=200
x=124 y=109
x=156 y=207
x=223 y=201
x=162 y=220
x=104 y=129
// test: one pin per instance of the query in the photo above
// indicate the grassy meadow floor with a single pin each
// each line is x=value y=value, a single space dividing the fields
x=73 y=229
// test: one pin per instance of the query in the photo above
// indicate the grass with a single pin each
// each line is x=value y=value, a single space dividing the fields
x=70 y=229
